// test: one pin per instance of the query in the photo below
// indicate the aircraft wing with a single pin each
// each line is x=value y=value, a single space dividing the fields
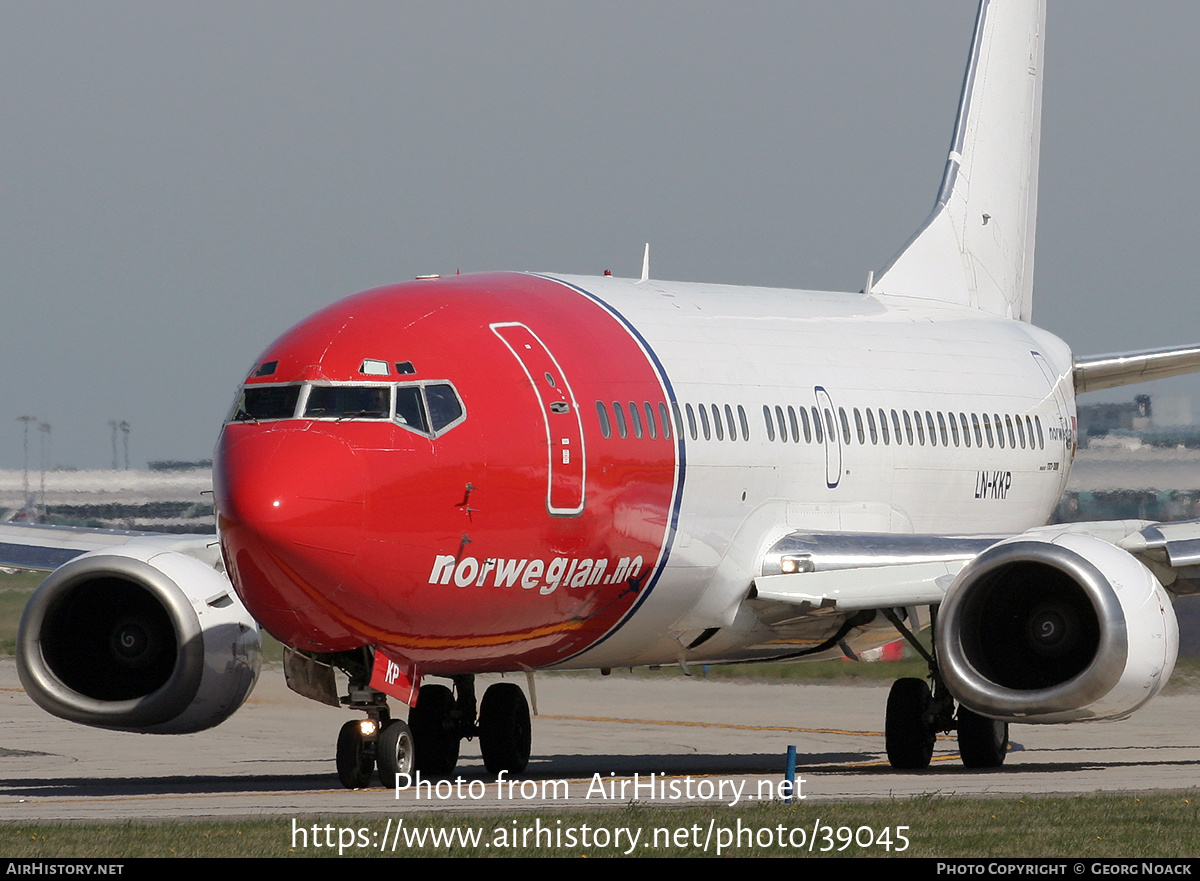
x=857 y=571
x=45 y=548
x=1055 y=624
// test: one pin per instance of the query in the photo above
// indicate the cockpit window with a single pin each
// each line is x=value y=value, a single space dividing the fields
x=428 y=409
x=444 y=406
x=348 y=402
x=260 y=402
x=410 y=411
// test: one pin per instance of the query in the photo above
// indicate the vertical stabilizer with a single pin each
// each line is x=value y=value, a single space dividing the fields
x=976 y=248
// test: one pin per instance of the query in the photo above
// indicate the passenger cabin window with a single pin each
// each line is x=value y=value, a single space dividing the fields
x=635 y=419
x=622 y=428
x=650 y=426
x=602 y=414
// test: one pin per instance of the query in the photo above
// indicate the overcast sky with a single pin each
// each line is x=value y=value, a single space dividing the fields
x=184 y=181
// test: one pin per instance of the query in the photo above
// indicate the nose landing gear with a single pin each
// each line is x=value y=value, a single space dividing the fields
x=356 y=753
x=429 y=742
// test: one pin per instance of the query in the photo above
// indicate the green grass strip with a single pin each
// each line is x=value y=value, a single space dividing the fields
x=1079 y=827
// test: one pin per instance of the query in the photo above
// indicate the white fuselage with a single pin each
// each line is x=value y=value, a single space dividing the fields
x=857 y=361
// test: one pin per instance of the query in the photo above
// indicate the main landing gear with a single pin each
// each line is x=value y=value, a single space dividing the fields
x=916 y=714
x=429 y=741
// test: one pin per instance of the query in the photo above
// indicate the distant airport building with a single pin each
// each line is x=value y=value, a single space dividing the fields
x=1165 y=422
x=1099 y=420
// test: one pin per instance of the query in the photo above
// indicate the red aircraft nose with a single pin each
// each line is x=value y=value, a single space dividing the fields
x=290 y=504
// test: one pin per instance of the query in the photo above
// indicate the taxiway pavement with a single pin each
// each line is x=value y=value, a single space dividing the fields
x=274 y=758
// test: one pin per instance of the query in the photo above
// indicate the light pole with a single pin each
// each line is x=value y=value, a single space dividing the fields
x=125 y=438
x=44 y=428
x=26 y=420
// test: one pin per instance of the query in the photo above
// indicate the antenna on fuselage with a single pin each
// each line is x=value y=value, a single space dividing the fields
x=645 y=265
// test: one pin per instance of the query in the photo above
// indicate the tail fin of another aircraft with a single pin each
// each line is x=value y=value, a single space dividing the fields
x=976 y=248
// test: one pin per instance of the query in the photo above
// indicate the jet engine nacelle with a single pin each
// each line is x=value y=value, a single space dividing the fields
x=1056 y=629
x=138 y=637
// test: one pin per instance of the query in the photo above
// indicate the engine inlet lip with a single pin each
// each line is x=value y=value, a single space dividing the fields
x=977 y=691
x=44 y=685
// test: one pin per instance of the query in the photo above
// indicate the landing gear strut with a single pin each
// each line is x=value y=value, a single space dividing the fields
x=440 y=721
x=916 y=714
x=429 y=741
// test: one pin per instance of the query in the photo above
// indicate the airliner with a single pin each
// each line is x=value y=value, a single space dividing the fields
x=515 y=472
